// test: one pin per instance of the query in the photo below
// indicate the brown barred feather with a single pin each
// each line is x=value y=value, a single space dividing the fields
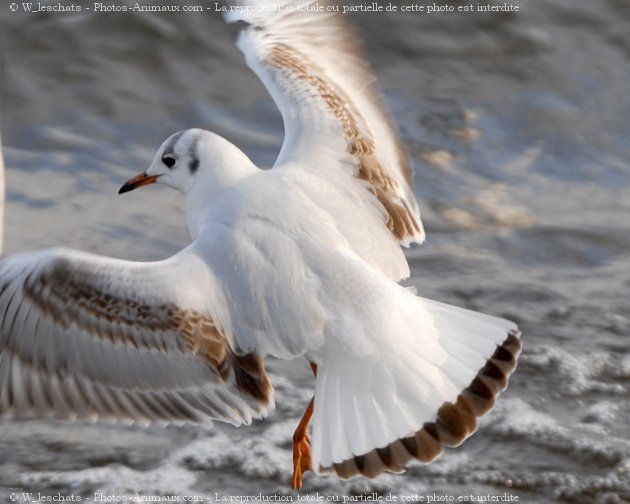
x=453 y=424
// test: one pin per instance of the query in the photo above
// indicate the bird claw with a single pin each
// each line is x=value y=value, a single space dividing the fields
x=301 y=460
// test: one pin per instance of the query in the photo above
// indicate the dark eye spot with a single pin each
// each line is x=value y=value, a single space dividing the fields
x=169 y=161
x=194 y=165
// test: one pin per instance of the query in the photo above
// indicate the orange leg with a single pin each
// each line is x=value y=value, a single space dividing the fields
x=302 y=445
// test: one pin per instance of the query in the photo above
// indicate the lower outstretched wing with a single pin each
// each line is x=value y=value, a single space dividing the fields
x=89 y=336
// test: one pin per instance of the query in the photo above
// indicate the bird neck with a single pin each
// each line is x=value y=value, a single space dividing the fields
x=227 y=168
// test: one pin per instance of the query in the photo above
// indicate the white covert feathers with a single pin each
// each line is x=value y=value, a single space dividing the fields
x=300 y=260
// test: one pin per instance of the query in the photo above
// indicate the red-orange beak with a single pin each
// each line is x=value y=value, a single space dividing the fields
x=137 y=181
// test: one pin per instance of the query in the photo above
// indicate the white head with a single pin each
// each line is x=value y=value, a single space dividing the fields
x=192 y=157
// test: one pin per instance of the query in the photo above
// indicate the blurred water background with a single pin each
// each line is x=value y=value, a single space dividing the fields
x=518 y=125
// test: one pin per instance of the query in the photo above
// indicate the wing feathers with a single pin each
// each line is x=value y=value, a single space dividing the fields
x=312 y=64
x=80 y=336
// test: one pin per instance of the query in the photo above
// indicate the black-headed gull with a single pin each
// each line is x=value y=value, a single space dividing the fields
x=298 y=261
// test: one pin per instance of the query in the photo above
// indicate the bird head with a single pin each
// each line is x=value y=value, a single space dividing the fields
x=194 y=158
x=175 y=164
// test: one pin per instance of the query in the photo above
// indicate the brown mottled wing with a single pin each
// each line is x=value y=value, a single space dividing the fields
x=88 y=336
x=312 y=65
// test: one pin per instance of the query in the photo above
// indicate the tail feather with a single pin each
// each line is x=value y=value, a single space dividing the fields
x=375 y=413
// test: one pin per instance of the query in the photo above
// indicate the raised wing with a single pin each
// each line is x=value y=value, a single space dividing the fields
x=311 y=63
x=88 y=336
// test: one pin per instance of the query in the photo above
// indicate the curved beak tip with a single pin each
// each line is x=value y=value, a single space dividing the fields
x=126 y=188
x=137 y=181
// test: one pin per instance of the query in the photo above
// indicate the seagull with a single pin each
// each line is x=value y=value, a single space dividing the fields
x=300 y=261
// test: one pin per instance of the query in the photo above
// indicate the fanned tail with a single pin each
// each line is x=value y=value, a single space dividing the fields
x=376 y=412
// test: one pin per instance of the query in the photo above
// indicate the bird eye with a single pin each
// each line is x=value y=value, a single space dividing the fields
x=169 y=161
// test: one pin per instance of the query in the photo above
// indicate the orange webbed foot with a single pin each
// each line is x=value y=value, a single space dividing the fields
x=302 y=444
x=301 y=459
